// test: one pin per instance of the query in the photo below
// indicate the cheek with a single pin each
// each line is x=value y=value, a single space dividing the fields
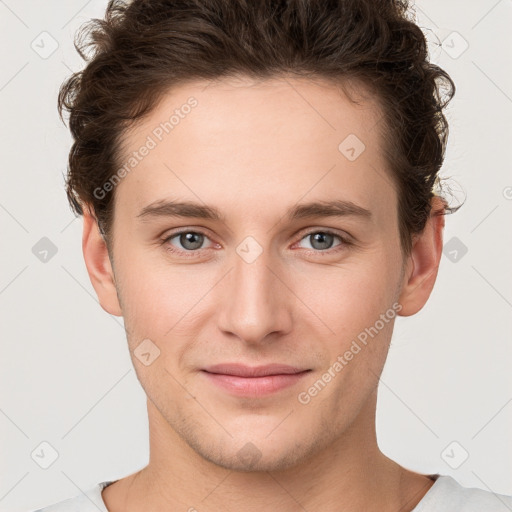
x=160 y=302
x=353 y=296
x=359 y=306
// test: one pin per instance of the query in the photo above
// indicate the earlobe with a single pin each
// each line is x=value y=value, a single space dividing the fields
x=423 y=262
x=99 y=266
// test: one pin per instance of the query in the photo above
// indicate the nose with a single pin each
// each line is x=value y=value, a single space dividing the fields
x=255 y=301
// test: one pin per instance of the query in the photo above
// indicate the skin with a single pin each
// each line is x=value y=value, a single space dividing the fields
x=253 y=150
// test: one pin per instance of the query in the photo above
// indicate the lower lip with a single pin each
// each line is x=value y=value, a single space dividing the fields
x=254 y=386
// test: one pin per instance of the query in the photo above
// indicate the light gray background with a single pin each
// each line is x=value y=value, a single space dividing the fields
x=66 y=375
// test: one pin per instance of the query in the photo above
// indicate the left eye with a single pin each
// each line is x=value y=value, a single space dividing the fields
x=322 y=240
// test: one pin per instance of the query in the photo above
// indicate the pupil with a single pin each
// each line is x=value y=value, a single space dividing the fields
x=191 y=240
x=325 y=240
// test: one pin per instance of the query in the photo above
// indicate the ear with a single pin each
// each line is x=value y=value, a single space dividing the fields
x=99 y=266
x=423 y=262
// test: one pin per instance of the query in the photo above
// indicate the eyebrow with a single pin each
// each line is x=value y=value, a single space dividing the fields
x=188 y=209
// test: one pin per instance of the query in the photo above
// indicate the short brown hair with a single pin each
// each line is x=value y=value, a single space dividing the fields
x=143 y=48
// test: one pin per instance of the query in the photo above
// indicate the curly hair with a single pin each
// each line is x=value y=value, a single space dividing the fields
x=142 y=48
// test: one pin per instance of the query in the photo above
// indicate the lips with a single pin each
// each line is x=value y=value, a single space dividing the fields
x=253 y=381
x=241 y=370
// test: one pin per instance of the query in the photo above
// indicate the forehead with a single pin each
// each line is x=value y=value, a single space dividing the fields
x=257 y=140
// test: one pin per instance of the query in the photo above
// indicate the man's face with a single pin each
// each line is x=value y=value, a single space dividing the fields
x=258 y=287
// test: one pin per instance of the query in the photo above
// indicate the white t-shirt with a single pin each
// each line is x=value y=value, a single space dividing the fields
x=446 y=495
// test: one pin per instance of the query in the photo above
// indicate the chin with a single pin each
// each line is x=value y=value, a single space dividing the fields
x=253 y=453
x=250 y=459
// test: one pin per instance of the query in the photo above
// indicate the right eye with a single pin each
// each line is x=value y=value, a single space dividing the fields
x=190 y=241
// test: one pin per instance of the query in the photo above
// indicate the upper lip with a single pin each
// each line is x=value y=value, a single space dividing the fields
x=242 y=370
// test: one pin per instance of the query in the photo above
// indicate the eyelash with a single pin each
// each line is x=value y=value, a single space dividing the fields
x=345 y=242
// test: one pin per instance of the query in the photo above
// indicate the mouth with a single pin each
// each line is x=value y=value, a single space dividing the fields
x=242 y=380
